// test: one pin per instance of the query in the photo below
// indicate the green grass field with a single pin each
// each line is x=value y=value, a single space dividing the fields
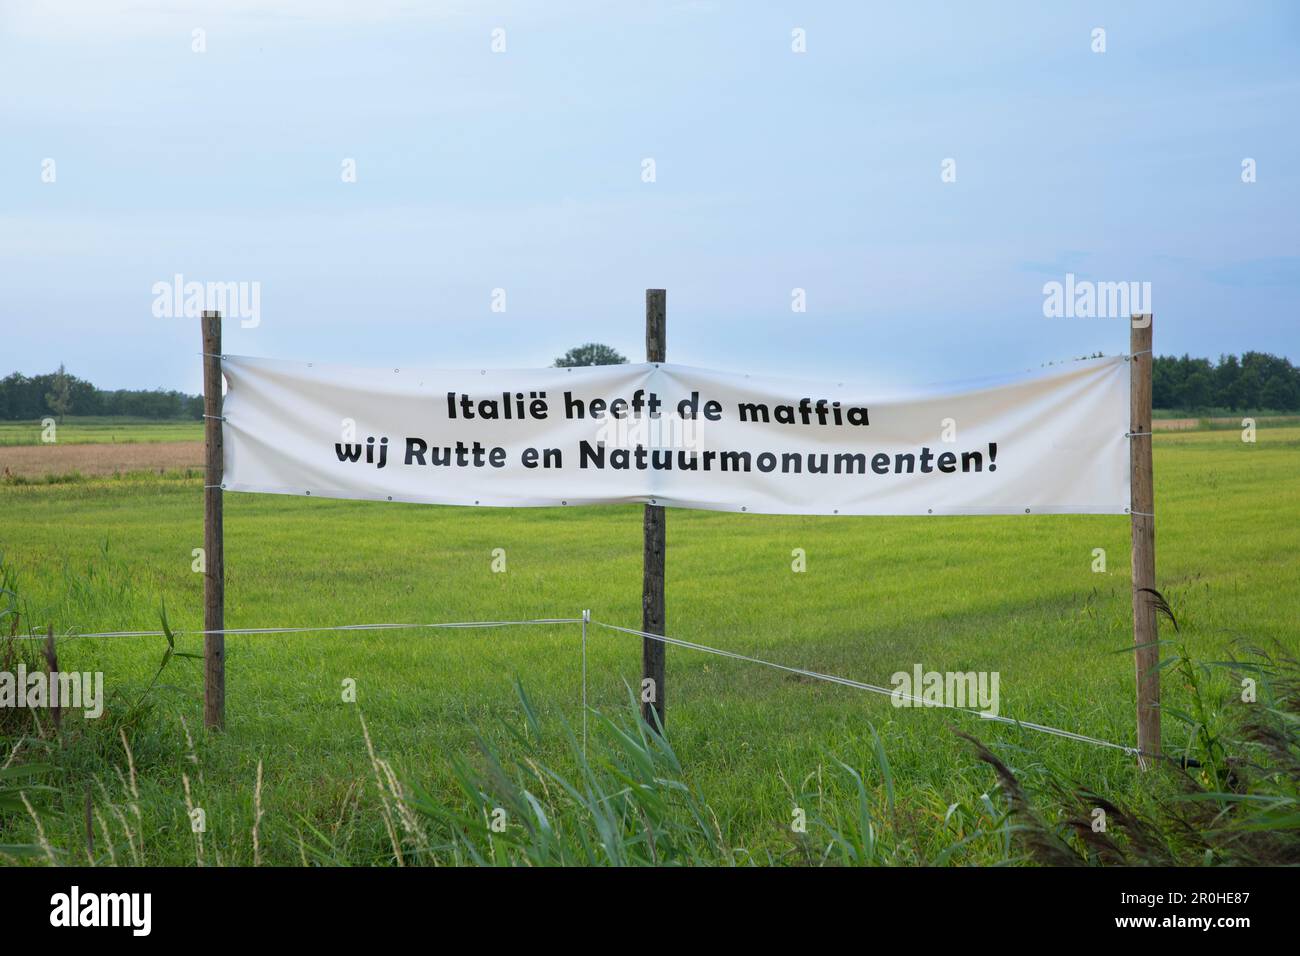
x=1016 y=595
x=92 y=430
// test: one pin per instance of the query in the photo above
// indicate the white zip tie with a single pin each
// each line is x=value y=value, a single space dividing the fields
x=1143 y=514
x=859 y=685
x=1136 y=434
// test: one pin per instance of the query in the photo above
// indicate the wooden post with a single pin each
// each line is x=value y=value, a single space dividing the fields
x=1143 y=523
x=652 y=587
x=214 y=575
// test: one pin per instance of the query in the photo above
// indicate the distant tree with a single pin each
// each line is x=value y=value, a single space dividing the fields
x=22 y=397
x=1197 y=389
x=59 y=398
x=593 y=353
x=1248 y=385
x=1227 y=382
x=1164 y=382
x=1278 y=393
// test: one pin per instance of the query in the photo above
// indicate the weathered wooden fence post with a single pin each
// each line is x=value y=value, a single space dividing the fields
x=214 y=575
x=1143 y=525
x=652 y=587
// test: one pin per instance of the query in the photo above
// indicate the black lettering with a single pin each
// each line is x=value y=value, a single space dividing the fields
x=856 y=464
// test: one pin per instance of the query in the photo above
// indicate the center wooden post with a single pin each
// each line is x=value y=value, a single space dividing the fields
x=652 y=588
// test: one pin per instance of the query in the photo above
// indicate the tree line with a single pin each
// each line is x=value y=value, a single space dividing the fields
x=1256 y=380
x=57 y=394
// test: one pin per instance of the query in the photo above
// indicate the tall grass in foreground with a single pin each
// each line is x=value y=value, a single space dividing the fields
x=35 y=747
x=1229 y=797
x=626 y=804
x=1236 y=799
x=17 y=778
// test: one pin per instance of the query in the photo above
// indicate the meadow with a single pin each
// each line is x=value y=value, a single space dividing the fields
x=93 y=430
x=752 y=746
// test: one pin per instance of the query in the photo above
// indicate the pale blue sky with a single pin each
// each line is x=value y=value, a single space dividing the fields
x=522 y=170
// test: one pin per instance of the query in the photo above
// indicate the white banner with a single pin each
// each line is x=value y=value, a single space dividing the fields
x=1046 y=443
